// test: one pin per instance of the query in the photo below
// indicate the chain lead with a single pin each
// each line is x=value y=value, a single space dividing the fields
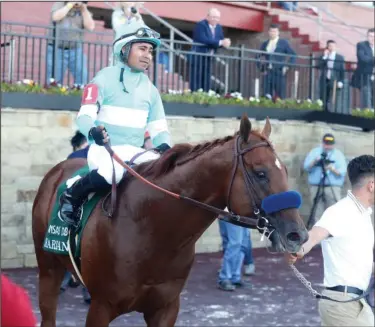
x=304 y=281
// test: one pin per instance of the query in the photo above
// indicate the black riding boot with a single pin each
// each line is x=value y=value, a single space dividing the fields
x=73 y=198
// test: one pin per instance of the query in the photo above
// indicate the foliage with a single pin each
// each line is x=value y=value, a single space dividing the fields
x=198 y=97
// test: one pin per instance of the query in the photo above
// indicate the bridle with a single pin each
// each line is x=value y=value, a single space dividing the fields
x=258 y=222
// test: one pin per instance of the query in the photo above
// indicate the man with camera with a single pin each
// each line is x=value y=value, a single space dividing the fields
x=126 y=13
x=70 y=19
x=326 y=168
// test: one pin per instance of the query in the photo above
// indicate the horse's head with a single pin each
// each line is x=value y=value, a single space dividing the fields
x=259 y=187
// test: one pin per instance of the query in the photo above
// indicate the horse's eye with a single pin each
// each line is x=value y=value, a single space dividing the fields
x=261 y=174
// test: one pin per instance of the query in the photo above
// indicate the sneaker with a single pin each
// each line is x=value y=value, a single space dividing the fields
x=226 y=285
x=249 y=269
x=241 y=284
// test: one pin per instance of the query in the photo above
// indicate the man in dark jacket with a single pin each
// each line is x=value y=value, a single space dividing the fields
x=363 y=77
x=332 y=67
x=210 y=34
x=273 y=63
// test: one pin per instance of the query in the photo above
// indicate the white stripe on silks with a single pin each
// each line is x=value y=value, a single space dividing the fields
x=120 y=116
x=157 y=126
x=88 y=110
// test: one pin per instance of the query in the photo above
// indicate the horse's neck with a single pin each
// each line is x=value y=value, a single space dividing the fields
x=204 y=179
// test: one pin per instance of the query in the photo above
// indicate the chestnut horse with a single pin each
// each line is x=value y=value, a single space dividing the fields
x=139 y=259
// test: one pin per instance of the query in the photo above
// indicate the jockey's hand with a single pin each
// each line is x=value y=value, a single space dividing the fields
x=99 y=135
x=162 y=148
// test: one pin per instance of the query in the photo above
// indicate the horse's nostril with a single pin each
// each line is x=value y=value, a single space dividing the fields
x=293 y=237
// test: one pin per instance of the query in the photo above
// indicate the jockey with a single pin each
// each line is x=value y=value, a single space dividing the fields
x=120 y=103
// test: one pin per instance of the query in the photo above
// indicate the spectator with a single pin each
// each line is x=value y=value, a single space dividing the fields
x=316 y=160
x=363 y=77
x=332 y=66
x=70 y=20
x=347 y=250
x=288 y=5
x=273 y=65
x=80 y=146
x=210 y=33
x=16 y=309
x=80 y=149
x=246 y=248
x=125 y=13
x=235 y=244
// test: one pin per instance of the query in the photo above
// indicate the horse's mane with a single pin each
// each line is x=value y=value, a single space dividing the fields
x=181 y=154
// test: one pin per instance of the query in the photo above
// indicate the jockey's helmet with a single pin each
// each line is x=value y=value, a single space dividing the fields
x=134 y=32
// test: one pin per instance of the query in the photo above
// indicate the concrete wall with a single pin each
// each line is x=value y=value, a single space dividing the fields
x=32 y=141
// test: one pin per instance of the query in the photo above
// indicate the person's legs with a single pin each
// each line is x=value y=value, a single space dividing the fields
x=249 y=267
x=78 y=65
x=232 y=255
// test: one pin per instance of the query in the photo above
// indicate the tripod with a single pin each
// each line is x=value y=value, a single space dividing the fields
x=320 y=196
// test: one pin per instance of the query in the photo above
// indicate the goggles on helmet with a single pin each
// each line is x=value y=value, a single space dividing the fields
x=141 y=33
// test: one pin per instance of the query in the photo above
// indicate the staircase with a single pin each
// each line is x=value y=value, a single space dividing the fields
x=315 y=23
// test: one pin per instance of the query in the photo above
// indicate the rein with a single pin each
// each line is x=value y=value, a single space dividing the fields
x=260 y=222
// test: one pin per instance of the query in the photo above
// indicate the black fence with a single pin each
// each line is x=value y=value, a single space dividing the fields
x=39 y=53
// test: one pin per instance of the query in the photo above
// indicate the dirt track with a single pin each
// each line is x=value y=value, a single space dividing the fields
x=276 y=298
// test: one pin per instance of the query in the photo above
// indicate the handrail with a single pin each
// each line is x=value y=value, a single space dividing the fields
x=340 y=20
x=299 y=12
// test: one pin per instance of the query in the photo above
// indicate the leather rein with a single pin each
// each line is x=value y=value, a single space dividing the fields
x=259 y=222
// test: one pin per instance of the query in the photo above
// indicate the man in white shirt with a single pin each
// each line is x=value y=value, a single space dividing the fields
x=347 y=237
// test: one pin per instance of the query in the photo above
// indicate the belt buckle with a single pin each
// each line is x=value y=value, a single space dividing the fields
x=345 y=290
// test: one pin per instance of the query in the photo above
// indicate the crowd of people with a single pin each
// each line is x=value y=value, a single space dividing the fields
x=274 y=62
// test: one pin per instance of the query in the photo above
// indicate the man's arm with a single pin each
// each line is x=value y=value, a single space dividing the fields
x=156 y=121
x=310 y=160
x=59 y=10
x=92 y=99
x=339 y=167
x=362 y=55
x=291 y=52
x=199 y=37
x=88 y=22
x=316 y=235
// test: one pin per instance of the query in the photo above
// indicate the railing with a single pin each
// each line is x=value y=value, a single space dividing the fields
x=25 y=53
x=300 y=12
x=173 y=31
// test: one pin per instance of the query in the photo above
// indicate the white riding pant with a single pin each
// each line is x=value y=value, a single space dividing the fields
x=99 y=158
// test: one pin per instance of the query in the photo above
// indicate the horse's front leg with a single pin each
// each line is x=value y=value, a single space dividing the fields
x=99 y=315
x=165 y=316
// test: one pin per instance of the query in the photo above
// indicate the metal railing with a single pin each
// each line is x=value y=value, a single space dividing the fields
x=25 y=56
x=173 y=31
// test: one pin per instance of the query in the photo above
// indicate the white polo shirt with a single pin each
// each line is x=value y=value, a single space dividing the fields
x=348 y=254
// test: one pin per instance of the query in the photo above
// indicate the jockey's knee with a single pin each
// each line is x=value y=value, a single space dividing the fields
x=108 y=174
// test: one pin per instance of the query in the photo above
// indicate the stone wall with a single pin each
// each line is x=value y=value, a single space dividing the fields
x=32 y=141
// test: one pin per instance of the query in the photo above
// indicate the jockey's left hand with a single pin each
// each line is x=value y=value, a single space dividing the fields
x=162 y=148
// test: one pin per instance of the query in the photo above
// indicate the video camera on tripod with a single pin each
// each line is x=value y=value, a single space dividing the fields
x=324 y=160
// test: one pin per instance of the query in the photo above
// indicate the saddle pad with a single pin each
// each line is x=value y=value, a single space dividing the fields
x=56 y=240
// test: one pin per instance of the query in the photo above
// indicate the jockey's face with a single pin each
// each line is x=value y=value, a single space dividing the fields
x=140 y=56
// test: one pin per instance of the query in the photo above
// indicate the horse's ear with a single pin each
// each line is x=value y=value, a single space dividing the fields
x=267 y=129
x=245 y=127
